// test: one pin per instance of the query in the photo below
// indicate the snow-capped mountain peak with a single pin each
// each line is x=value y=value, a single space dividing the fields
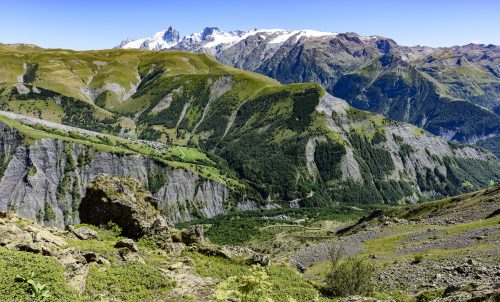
x=165 y=39
x=213 y=38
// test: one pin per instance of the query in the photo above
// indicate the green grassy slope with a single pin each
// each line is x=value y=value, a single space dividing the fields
x=269 y=136
x=402 y=92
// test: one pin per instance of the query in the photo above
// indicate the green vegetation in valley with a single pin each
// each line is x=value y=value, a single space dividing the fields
x=240 y=228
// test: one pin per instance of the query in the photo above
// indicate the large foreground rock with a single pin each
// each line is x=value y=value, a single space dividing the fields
x=123 y=201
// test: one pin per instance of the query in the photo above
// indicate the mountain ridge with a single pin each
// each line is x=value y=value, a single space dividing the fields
x=469 y=73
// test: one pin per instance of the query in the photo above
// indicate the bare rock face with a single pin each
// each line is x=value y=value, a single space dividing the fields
x=123 y=201
x=44 y=181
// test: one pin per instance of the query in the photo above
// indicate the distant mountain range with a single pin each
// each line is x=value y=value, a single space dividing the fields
x=213 y=40
x=453 y=92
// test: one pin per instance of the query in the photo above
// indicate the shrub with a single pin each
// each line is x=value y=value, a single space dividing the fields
x=32 y=171
x=49 y=214
x=252 y=287
x=349 y=276
x=113 y=227
x=418 y=258
x=38 y=291
x=430 y=295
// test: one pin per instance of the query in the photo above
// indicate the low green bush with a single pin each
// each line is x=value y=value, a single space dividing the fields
x=128 y=281
x=418 y=258
x=430 y=295
x=40 y=292
x=40 y=270
x=350 y=276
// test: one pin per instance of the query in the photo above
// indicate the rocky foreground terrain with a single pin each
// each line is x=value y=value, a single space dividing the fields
x=449 y=248
x=125 y=250
x=95 y=262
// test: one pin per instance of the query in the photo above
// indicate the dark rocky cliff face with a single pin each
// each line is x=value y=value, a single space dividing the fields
x=123 y=201
x=45 y=181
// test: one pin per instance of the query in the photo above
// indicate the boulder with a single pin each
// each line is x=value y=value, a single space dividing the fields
x=160 y=233
x=259 y=259
x=301 y=268
x=123 y=201
x=85 y=233
x=216 y=251
x=127 y=243
x=90 y=256
x=235 y=253
x=128 y=255
x=175 y=266
x=46 y=236
x=470 y=292
x=193 y=235
x=471 y=261
x=29 y=247
x=77 y=278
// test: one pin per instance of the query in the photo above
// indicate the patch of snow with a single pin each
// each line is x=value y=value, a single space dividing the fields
x=368 y=38
x=192 y=39
x=299 y=34
x=161 y=40
x=134 y=44
x=283 y=37
x=220 y=38
x=314 y=33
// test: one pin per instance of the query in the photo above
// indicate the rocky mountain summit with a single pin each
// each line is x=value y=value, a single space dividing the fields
x=161 y=40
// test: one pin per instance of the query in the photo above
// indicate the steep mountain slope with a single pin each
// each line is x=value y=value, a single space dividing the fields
x=279 y=144
x=45 y=168
x=400 y=91
x=468 y=73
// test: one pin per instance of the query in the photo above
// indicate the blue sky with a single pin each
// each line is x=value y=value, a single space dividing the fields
x=100 y=24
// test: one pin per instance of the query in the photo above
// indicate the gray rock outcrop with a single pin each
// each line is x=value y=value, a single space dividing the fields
x=45 y=180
